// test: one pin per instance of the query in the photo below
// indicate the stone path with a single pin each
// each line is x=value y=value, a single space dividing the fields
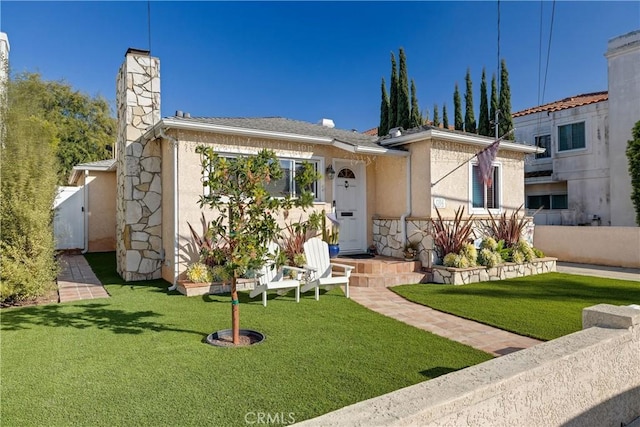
x=486 y=338
x=76 y=280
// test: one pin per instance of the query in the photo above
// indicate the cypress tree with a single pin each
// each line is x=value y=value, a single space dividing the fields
x=445 y=118
x=633 y=157
x=383 y=127
x=416 y=117
x=436 y=116
x=469 y=117
x=393 y=94
x=506 y=121
x=484 y=124
x=494 y=105
x=457 y=110
x=404 y=108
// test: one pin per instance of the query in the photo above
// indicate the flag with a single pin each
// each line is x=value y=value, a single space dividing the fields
x=485 y=162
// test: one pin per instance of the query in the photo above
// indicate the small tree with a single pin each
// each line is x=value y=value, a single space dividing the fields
x=506 y=121
x=494 y=105
x=457 y=110
x=416 y=117
x=469 y=117
x=404 y=106
x=484 y=122
x=393 y=94
x=247 y=213
x=383 y=128
x=445 y=118
x=436 y=116
x=633 y=154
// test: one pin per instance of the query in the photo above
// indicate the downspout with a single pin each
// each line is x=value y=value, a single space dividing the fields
x=85 y=208
x=403 y=218
x=176 y=236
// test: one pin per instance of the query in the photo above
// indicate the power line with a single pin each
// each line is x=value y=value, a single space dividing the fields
x=553 y=12
x=540 y=53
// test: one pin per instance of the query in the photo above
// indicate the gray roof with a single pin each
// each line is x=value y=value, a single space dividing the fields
x=283 y=125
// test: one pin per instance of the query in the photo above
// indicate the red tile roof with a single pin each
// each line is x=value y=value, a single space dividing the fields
x=372 y=132
x=563 y=104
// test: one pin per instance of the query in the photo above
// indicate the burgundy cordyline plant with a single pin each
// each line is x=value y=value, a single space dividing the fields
x=450 y=235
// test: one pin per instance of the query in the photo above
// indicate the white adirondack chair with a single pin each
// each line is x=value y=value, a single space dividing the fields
x=316 y=251
x=272 y=279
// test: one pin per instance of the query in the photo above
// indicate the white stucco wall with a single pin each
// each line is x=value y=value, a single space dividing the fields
x=589 y=378
x=623 y=55
x=586 y=171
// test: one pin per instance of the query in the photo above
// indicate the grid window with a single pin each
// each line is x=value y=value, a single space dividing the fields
x=571 y=137
x=543 y=141
x=485 y=196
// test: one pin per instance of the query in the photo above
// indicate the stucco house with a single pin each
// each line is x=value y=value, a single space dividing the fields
x=382 y=189
x=583 y=177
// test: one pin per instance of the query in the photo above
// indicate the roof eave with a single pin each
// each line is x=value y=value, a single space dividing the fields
x=479 y=141
x=169 y=123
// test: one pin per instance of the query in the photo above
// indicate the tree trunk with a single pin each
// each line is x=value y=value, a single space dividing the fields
x=235 y=312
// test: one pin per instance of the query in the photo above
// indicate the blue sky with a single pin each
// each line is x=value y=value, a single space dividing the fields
x=309 y=60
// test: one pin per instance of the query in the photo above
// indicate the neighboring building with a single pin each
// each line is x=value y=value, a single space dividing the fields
x=381 y=189
x=570 y=180
x=583 y=176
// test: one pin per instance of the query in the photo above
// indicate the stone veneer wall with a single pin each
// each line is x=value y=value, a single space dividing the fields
x=388 y=239
x=463 y=276
x=139 y=198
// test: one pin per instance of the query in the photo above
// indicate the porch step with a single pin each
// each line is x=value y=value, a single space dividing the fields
x=367 y=280
x=380 y=265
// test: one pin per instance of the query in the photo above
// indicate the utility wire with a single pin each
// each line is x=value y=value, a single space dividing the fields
x=553 y=12
x=540 y=53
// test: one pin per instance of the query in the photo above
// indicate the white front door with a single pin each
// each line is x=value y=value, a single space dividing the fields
x=350 y=207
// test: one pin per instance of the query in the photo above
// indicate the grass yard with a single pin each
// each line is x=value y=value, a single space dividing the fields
x=544 y=306
x=139 y=358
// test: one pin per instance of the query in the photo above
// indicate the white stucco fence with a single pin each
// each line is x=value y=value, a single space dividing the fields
x=612 y=246
x=589 y=378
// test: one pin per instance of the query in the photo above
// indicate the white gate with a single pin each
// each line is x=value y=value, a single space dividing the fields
x=68 y=223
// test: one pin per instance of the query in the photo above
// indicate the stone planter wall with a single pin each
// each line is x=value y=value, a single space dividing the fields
x=389 y=241
x=191 y=289
x=463 y=276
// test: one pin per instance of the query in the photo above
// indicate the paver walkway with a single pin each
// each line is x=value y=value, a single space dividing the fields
x=486 y=338
x=76 y=280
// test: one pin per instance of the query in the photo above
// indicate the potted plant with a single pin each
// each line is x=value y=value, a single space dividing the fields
x=410 y=251
x=332 y=237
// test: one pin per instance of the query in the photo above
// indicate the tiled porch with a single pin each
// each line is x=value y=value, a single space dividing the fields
x=382 y=271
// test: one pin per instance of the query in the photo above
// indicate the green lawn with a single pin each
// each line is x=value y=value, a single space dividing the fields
x=544 y=306
x=138 y=358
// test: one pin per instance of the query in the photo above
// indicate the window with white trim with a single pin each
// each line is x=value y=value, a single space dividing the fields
x=287 y=184
x=483 y=196
x=571 y=137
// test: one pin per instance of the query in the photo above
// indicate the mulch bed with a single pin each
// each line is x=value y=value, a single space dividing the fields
x=50 y=297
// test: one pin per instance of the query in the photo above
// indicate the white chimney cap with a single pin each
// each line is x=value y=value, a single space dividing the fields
x=328 y=123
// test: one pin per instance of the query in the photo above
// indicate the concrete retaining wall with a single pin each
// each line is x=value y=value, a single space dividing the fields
x=613 y=246
x=589 y=378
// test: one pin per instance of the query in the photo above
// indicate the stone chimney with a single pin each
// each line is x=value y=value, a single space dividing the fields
x=139 y=199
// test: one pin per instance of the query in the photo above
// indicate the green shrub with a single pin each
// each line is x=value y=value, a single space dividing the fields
x=526 y=250
x=470 y=252
x=488 y=258
x=538 y=253
x=456 y=261
x=489 y=243
x=199 y=273
x=220 y=274
x=517 y=257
